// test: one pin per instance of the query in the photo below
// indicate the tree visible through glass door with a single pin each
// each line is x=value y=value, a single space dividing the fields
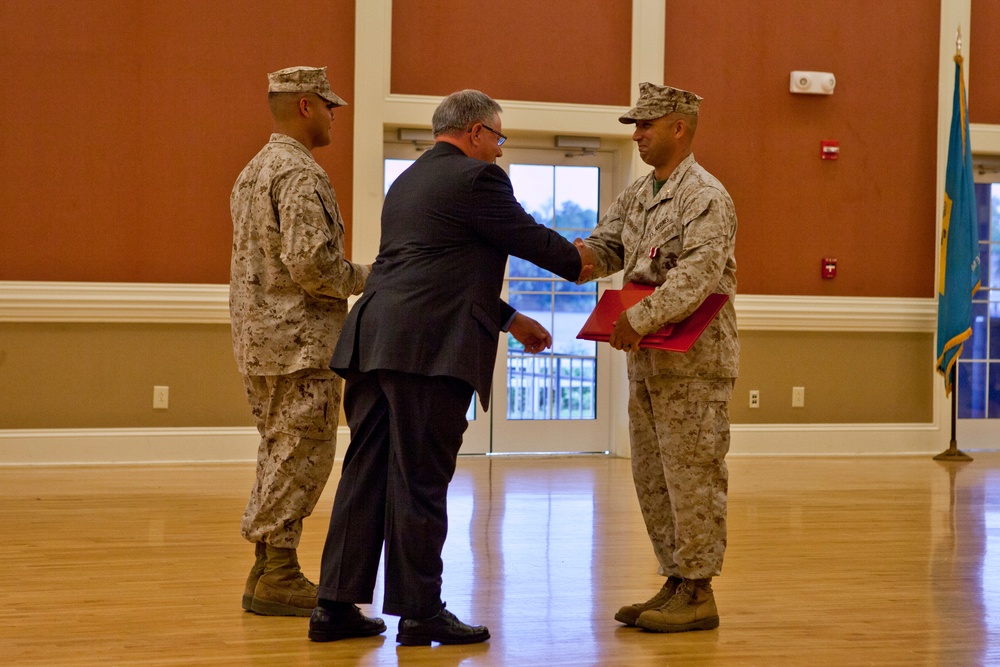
x=559 y=384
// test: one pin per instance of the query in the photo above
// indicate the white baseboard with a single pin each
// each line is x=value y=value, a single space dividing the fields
x=836 y=439
x=124 y=445
x=207 y=445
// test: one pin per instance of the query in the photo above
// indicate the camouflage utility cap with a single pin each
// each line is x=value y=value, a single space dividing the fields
x=656 y=101
x=303 y=80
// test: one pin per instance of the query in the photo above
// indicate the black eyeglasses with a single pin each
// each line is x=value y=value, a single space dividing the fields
x=502 y=137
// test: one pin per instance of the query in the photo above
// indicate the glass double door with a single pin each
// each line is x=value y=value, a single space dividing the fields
x=978 y=382
x=556 y=401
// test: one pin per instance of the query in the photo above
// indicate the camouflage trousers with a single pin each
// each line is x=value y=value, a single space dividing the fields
x=679 y=428
x=297 y=417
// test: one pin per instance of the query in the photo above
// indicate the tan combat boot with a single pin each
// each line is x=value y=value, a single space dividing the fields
x=282 y=589
x=260 y=552
x=691 y=608
x=629 y=614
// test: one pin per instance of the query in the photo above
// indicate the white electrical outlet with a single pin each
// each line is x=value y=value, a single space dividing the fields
x=161 y=397
x=798 y=397
x=754 y=398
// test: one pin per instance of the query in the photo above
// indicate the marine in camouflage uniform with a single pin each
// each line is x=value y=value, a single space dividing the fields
x=289 y=284
x=677 y=233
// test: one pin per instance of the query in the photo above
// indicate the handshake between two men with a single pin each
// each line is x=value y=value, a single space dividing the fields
x=529 y=332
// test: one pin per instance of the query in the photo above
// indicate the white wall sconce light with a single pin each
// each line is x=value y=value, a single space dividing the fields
x=812 y=83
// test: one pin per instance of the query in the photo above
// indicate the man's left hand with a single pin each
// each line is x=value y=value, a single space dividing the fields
x=624 y=337
x=530 y=333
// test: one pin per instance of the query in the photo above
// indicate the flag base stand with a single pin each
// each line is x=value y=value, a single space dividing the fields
x=953 y=453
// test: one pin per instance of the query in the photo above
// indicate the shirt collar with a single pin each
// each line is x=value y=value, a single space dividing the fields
x=668 y=189
x=278 y=138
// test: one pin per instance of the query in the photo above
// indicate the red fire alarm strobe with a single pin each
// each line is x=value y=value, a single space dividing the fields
x=829 y=269
x=829 y=150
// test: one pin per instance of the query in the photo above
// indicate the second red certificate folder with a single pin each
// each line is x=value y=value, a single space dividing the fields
x=674 y=337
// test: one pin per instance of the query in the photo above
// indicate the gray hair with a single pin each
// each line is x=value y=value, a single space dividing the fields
x=460 y=110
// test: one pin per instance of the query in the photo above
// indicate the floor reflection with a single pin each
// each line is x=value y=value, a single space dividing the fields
x=891 y=561
x=530 y=538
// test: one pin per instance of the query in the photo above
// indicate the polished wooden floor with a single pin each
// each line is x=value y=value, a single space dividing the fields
x=831 y=561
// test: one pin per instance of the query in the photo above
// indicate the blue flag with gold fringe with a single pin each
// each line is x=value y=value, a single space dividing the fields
x=959 y=259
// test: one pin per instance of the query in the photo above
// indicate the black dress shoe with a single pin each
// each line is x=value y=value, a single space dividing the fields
x=443 y=628
x=325 y=626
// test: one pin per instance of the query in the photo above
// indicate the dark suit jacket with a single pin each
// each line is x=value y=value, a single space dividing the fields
x=432 y=304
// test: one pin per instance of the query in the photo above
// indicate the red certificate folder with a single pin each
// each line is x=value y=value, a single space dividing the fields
x=674 y=337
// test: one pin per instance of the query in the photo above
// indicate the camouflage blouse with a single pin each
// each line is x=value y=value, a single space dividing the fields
x=289 y=280
x=683 y=239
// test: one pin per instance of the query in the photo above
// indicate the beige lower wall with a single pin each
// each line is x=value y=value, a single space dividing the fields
x=849 y=377
x=82 y=375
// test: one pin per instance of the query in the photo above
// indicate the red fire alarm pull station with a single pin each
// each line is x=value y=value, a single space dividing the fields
x=829 y=267
x=829 y=150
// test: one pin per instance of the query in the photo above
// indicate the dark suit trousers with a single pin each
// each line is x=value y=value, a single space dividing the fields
x=406 y=431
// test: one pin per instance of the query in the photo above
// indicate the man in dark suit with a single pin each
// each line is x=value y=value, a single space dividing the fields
x=416 y=345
